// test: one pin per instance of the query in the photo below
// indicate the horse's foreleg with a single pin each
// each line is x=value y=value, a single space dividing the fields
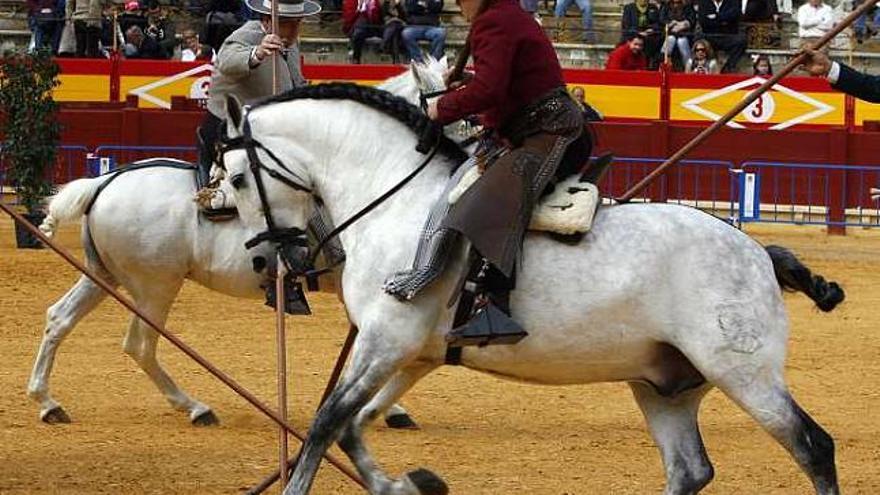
x=351 y=440
x=673 y=425
x=372 y=366
x=61 y=319
x=140 y=343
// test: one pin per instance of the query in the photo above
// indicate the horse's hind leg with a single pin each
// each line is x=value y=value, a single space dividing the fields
x=673 y=425
x=140 y=343
x=770 y=403
x=61 y=318
x=747 y=364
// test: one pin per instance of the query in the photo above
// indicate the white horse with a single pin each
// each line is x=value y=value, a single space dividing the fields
x=143 y=233
x=664 y=297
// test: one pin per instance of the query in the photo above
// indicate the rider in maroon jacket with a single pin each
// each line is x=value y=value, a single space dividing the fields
x=518 y=90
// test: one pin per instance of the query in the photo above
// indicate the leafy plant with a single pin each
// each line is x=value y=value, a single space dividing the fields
x=32 y=132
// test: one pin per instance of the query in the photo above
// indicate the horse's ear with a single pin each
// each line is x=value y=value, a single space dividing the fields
x=233 y=110
x=415 y=69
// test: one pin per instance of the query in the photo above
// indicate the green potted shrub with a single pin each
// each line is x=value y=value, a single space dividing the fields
x=31 y=131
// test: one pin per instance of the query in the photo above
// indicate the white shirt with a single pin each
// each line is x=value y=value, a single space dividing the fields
x=833 y=73
x=814 y=22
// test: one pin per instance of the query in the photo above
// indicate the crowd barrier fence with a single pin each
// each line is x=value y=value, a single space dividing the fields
x=833 y=195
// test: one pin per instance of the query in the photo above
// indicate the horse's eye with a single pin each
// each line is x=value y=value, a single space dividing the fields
x=237 y=181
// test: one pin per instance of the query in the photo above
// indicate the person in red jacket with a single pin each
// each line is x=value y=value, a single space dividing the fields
x=361 y=19
x=518 y=91
x=629 y=55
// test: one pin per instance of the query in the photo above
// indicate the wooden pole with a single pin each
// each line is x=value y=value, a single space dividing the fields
x=281 y=344
x=331 y=384
x=280 y=300
x=461 y=60
x=183 y=347
x=754 y=95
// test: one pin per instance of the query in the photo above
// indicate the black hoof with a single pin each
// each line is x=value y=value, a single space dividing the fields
x=427 y=482
x=401 y=422
x=56 y=416
x=207 y=418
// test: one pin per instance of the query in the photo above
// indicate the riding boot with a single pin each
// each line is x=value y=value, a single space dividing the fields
x=487 y=304
x=214 y=202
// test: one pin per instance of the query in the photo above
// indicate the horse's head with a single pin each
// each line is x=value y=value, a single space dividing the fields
x=423 y=77
x=269 y=181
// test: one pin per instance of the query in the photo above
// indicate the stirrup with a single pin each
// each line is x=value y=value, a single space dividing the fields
x=489 y=326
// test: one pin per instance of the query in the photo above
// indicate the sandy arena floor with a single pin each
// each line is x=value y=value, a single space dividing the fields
x=484 y=436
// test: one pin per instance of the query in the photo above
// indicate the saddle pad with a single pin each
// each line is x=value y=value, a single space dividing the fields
x=569 y=209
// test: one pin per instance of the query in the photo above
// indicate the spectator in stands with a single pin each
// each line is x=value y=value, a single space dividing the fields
x=224 y=17
x=361 y=19
x=629 y=55
x=586 y=16
x=642 y=17
x=423 y=23
x=139 y=45
x=678 y=20
x=862 y=30
x=44 y=20
x=703 y=60
x=192 y=49
x=760 y=11
x=590 y=113
x=531 y=6
x=160 y=28
x=762 y=67
x=814 y=19
x=132 y=16
x=720 y=23
x=86 y=16
x=395 y=21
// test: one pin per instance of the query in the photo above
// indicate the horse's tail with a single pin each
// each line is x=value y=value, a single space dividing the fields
x=794 y=276
x=70 y=202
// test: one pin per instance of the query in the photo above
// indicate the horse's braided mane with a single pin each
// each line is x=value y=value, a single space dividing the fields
x=377 y=99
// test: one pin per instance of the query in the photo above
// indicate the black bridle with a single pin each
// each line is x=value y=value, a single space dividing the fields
x=424 y=97
x=292 y=237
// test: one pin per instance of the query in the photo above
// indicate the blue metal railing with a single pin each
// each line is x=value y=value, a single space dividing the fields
x=756 y=191
x=812 y=194
x=70 y=164
x=128 y=154
x=705 y=184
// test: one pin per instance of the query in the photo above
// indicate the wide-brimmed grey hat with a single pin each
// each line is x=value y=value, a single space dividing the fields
x=286 y=8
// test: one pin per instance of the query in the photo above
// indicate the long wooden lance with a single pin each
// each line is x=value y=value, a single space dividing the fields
x=182 y=346
x=754 y=95
x=280 y=301
x=461 y=60
x=331 y=384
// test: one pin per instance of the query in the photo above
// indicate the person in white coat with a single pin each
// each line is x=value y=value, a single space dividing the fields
x=814 y=20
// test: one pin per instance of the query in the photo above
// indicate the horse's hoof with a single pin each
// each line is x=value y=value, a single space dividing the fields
x=206 y=418
x=427 y=482
x=56 y=415
x=401 y=422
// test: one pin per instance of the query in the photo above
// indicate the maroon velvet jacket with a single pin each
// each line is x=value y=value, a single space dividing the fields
x=514 y=65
